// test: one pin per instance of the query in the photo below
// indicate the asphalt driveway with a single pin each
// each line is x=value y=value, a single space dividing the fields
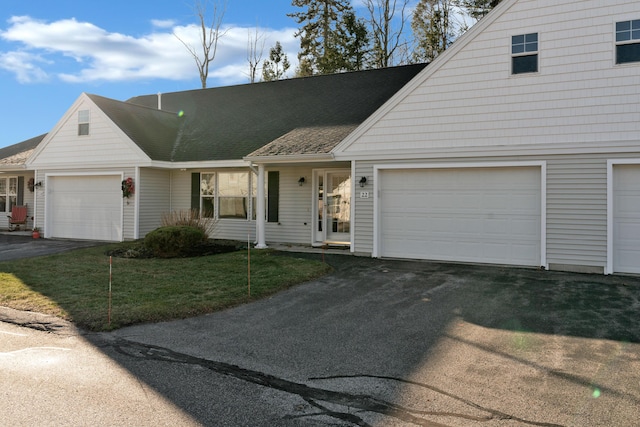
x=396 y=343
x=17 y=245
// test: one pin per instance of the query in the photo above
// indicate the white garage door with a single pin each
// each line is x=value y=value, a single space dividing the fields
x=486 y=215
x=84 y=207
x=626 y=219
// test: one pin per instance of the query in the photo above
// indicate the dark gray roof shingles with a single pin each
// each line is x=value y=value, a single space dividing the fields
x=298 y=116
x=229 y=123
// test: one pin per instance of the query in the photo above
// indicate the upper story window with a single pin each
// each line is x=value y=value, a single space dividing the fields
x=628 y=41
x=83 y=122
x=524 y=53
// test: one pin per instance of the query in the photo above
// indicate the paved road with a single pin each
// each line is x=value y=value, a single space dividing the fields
x=377 y=343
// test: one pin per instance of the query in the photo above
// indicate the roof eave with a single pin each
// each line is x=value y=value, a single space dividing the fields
x=291 y=158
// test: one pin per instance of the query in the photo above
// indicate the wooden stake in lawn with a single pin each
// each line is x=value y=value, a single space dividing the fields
x=109 y=310
x=249 y=265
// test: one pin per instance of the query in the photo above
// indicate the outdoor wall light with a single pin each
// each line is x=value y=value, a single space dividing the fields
x=363 y=181
x=38 y=184
x=301 y=181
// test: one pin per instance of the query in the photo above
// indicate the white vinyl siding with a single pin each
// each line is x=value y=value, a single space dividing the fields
x=578 y=99
x=105 y=146
x=577 y=210
x=154 y=198
x=363 y=211
x=295 y=216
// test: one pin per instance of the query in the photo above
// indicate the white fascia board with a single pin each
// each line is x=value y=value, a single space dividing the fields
x=210 y=164
x=495 y=150
x=298 y=158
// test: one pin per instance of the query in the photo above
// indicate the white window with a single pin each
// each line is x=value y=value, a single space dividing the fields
x=83 y=122
x=628 y=41
x=8 y=193
x=233 y=195
x=524 y=53
x=207 y=194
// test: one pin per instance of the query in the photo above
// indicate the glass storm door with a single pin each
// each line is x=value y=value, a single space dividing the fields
x=334 y=207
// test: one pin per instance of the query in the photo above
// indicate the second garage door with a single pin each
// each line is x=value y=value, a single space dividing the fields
x=486 y=215
x=84 y=207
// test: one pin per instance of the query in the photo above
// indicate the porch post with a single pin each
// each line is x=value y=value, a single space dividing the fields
x=260 y=210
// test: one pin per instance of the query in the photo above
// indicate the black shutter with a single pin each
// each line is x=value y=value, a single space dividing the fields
x=20 y=191
x=273 y=196
x=195 y=191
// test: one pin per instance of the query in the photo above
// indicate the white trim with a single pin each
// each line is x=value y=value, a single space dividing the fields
x=136 y=207
x=610 y=164
x=399 y=166
x=352 y=217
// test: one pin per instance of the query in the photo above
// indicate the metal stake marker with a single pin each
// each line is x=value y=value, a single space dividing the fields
x=109 y=310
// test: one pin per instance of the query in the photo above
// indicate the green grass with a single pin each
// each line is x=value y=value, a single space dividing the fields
x=75 y=285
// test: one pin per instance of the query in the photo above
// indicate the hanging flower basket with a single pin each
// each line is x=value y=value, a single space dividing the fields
x=128 y=188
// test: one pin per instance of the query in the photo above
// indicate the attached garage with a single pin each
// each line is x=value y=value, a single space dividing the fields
x=469 y=214
x=626 y=219
x=84 y=207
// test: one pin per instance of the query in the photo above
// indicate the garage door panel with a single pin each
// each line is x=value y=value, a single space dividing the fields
x=85 y=207
x=474 y=215
x=626 y=219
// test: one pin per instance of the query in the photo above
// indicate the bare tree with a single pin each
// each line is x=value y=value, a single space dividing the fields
x=210 y=33
x=255 y=49
x=387 y=19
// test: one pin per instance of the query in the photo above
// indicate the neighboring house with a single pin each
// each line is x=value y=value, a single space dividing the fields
x=189 y=150
x=16 y=182
x=519 y=145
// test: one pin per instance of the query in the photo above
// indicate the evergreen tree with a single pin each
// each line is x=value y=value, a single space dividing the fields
x=327 y=36
x=477 y=8
x=277 y=65
x=354 y=41
x=433 y=29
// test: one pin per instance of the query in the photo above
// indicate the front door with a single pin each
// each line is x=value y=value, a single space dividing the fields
x=333 y=195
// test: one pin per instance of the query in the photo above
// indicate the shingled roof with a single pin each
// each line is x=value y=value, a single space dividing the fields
x=301 y=116
x=294 y=116
x=17 y=154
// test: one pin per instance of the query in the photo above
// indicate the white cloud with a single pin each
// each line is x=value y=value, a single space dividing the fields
x=100 y=55
x=163 y=23
x=22 y=64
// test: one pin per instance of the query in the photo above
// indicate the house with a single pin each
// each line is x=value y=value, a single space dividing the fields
x=520 y=145
x=189 y=150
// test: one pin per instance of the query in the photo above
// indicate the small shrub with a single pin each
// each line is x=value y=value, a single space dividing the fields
x=174 y=241
x=190 y=218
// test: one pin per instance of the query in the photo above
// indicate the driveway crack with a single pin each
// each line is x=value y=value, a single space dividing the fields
x=313 y=395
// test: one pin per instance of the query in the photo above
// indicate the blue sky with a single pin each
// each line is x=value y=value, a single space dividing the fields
x=52 y=51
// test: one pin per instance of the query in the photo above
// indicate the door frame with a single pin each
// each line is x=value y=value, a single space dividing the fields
x=319 y=238
x=610 y=208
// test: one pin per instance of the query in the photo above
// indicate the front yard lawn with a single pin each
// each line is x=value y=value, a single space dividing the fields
x=75 y=285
